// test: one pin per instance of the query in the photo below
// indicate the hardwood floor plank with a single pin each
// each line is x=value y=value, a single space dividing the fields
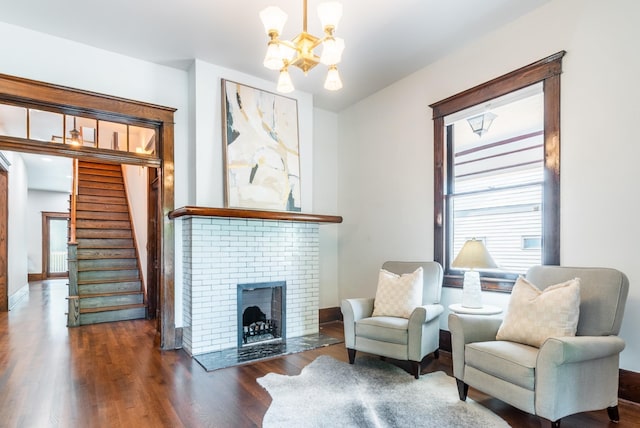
x=114 y=375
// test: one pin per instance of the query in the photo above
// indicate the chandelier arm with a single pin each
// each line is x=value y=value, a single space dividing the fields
x=286 y=43
x=319 y=42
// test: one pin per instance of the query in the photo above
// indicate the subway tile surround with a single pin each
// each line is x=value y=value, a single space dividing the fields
x=220 y=253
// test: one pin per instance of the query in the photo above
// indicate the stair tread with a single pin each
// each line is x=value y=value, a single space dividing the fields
x=112 y=308
x=109 y=294
x=102 y=199
x=108 y=280
x=96 y=257
x=92 y=243
x=106 y=268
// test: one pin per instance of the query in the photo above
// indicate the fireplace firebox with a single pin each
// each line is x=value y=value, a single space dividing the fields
x=261 y=312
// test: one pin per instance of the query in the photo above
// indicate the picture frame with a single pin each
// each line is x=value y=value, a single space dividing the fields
x=261 y=153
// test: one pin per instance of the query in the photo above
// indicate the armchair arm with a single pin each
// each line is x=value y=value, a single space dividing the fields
x=569 y=366
x=425 y=313
x=575 y=349
x=467 y=329
x=352 y=311
x=423 y=331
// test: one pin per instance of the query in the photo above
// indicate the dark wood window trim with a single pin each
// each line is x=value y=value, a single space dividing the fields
x=548 y=72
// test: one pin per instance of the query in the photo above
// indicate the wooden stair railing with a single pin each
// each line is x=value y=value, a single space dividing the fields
x=73 y=316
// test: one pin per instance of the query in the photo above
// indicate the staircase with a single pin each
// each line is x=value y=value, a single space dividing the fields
x=109 y=285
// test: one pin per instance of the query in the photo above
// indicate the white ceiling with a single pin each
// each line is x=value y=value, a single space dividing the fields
x=49 y=173
x=385 y=40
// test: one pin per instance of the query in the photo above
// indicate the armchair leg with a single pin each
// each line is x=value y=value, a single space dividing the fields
x=463 y=389
x=546 y=423
x=352 y=355
x=415 y=368
x=614 y=416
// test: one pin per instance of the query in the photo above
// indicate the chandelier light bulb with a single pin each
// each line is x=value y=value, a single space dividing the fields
x=332 y=49
x=273 y=58
x=333 y=82
x=285 y=85
x=330 y=14
x=273 y=18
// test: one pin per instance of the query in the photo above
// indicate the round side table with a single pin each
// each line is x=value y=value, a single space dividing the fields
x=484 y=310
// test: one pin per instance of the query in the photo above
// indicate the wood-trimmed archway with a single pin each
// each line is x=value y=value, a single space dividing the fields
x=24 y=92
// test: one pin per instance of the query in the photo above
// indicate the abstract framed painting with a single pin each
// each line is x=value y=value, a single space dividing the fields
x=261 y=149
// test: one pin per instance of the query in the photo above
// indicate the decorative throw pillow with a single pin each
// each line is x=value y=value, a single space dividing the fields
x=533 y=315
x=398 y=295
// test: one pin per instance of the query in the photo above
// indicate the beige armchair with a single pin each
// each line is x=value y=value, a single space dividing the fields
x=399 y=338
x=566 y=375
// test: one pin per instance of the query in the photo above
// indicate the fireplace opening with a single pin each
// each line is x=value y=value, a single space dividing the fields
x=261 y=313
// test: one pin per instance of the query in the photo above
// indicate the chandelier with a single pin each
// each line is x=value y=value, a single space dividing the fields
x=299 y=51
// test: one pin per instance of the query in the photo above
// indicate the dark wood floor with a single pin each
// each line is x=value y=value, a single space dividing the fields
x=114 y=375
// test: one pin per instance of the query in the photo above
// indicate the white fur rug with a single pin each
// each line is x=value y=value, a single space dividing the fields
x=370 y=393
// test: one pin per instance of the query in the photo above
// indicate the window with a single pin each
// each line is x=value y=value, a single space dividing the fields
x=495 y=177
x=502 y=184
x=52 y=126
x=531 y=242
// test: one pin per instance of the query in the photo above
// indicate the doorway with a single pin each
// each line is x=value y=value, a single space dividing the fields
x=23 y=92
x=55 y=228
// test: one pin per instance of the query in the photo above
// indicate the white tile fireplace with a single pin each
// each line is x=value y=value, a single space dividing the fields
x=219 y=253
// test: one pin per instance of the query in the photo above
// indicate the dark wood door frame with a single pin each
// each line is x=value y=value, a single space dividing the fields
x=46 y=240
x=153 y=250
x=4 y=221
x=31 y=93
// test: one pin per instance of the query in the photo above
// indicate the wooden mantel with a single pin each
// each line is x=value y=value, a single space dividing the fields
x=253 y=214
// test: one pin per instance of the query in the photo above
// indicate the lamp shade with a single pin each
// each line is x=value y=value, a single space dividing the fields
x=332 y=51
x=333 y=82
x=474 y=255
x=273 y=58
x=330 y=14
x=285 y=84
x=273 y=18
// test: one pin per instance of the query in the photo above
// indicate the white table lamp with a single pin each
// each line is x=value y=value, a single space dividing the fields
x=473 y=255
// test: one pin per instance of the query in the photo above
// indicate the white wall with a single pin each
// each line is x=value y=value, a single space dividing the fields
x=385 y=153
x=17 y=227
x=325 y=190
x=137 y=192
x=206 y=120
x=37 y=202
